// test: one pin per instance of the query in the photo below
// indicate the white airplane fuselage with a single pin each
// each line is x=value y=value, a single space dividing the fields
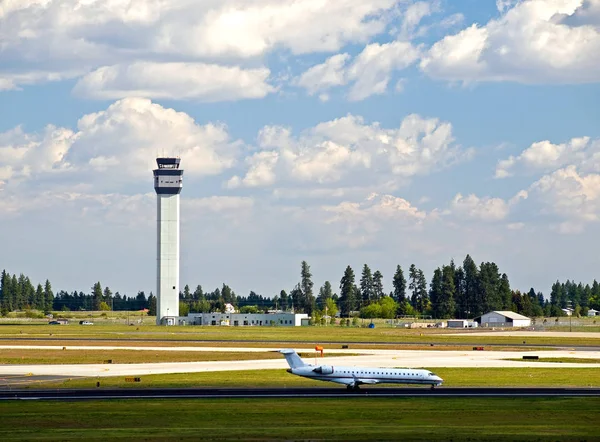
x=355 y=376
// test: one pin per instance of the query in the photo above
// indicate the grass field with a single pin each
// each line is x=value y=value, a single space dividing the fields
x=36 y=356
x=337 y=335
x=305 y=419
x=453 y=377
x=565 y=360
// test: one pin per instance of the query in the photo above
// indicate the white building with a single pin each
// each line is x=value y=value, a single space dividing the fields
x=503 y=319
x=168 y=181
x=592 y=312
x=567 y=311
x=247 y=319
x=461 y=323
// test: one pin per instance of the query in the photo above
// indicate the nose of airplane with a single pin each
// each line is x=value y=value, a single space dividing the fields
x=438 y=379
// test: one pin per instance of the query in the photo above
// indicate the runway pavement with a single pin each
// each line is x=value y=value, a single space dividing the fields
x=368 y=358
x=290 y=393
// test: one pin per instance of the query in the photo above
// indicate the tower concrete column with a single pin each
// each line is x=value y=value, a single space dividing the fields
x=168 y=182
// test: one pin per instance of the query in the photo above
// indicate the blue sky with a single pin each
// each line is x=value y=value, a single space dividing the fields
x=384 y=132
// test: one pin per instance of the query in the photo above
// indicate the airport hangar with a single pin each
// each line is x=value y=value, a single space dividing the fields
x=503 y=319
x=282 y=319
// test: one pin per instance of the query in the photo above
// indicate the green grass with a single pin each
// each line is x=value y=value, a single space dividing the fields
x=453 y=377
x=337 y=335
x=324 y=419
x=559 y=360
x=78 y=356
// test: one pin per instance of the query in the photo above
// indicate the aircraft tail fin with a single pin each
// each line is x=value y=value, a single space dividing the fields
x=292 y=358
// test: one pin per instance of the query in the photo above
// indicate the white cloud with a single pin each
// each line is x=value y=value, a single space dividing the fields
x=369 y=72
x=571 y=196
x=481 y=209
x=357 y=223
x=371 y=69
x=14 y=81
x=334 y=151
x=23 y=155
x=544 y=155
x=59 y=36
x=197 y=81
x=129 y=134
x=535 y=41
x=324 y=76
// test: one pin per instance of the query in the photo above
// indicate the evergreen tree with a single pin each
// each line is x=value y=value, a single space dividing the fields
x=325 y=293
x=505 y=292
x=347 y=293
x=459 y=293
x=489 y=280
x=378 y=285
x=413 y=276
x=198 y=293
x=422 y=295
x=296 y=297
x=366 y=286
x=306 y=285
x=284 y=299
x=107 y=297
x=446 y=303
x=39 y=298
x=187 y=294
x=16 y=300
x=399 y=293
x=471 y=288
x=48 y=296
x=435 y=293
x=96 y=295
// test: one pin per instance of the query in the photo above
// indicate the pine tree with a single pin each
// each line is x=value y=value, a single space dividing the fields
x=422 y=295
x=325 y=293
x=49 y=296
x=435 y=293
x=284 y=300
x=199 y=293
x=97 y=296
x=107 y=297
x=447 y=304
x=296 y=297
x=471 y=288
x=347 y=293
x=39 y=303
x=413 y=275
x=187 y=294
x=306 y=284
x=378 y=286
x=366 y=286
x=399 y=283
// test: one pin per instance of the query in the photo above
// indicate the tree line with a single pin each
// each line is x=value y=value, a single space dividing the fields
x=463 y=291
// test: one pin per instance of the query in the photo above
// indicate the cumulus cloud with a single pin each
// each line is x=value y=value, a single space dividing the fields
x=129 y=134
x=533 y=41
x=333 y=151
x=196 y=81
x=15 y=81
x=357 y=223
x=571 y=196
x=25 y=155
x=486 y=208
x=544 y=155
x=60 y=36
x=369 y=72
x=325 y=75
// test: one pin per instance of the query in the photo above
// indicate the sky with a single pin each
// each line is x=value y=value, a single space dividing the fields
x=346 y=132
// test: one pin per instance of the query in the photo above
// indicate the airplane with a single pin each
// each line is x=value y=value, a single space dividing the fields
x=353 y=377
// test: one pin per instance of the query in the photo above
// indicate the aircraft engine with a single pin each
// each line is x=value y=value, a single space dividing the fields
x=324 y=369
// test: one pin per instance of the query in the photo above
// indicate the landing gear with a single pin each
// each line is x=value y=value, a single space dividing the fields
x=352 y=387
x=433 y=386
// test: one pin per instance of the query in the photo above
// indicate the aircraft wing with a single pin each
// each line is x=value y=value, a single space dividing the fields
x=367 y=381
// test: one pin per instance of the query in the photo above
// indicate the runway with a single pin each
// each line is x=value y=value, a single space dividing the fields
x=291 y=393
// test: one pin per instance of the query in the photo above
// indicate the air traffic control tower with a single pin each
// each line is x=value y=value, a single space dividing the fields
x=168 y=182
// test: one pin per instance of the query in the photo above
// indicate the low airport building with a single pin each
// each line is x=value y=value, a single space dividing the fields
x=592 y=312
x=461 y=323
x=503 y=319
x=282 y=319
